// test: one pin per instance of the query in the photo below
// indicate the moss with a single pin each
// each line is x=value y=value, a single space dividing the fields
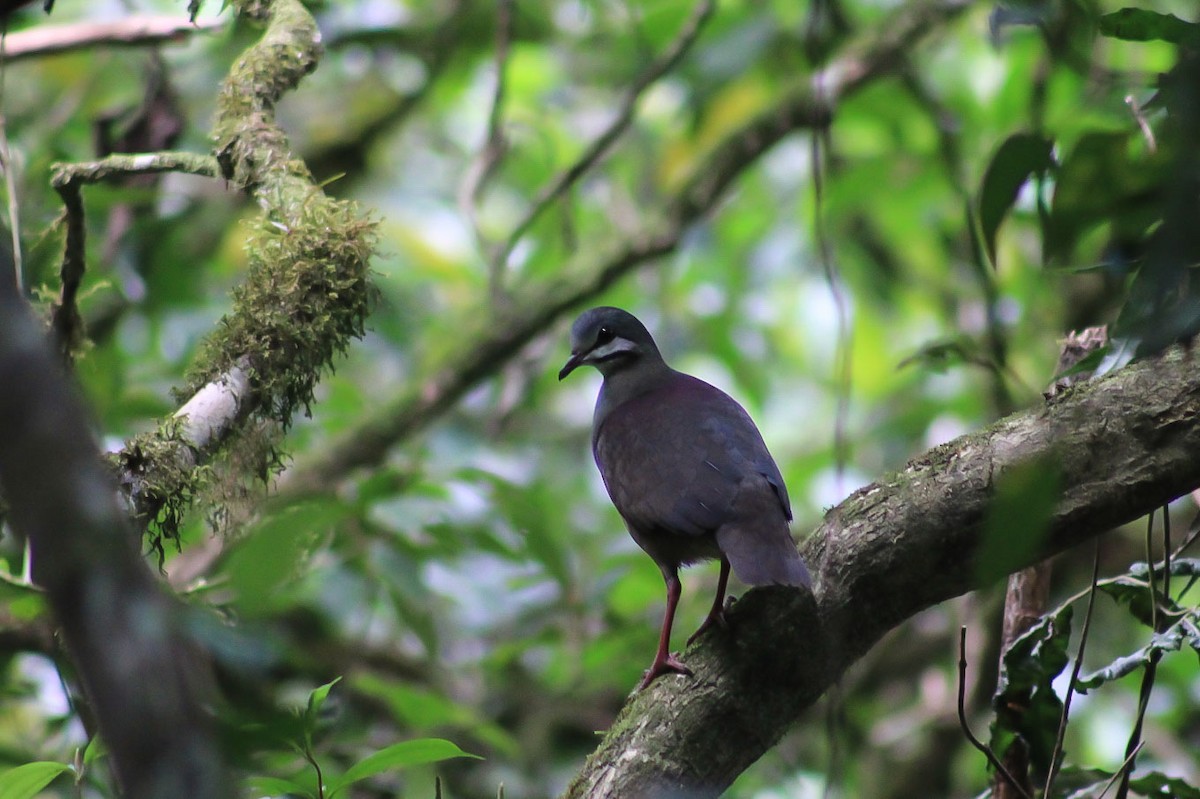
x=307 y=293
x=159 y=473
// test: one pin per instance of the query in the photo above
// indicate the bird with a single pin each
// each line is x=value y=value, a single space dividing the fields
x=686 y=468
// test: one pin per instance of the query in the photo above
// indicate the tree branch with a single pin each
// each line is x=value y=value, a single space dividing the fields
x=306 y=294
x=68 y=180
x=125 y=635
x=487 y=345
x=135 y=31
x=1125 y=445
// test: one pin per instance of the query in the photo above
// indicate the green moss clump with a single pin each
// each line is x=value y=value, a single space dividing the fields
x=306 y=296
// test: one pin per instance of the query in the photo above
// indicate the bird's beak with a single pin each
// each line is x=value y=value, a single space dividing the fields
x=572 y=363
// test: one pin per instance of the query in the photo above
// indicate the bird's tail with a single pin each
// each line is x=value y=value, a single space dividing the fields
x=763 y=557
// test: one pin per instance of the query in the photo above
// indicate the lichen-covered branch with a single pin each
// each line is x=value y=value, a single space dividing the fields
x=486 y=345
x=1123 y=446
x=68 y=180
x=307 y=290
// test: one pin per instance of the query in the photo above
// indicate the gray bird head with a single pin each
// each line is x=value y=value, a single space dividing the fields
x=611 y=340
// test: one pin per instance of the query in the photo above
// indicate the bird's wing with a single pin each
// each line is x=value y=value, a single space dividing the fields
x=674 y=459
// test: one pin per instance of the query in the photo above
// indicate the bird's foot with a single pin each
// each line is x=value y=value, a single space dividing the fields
x=716 y=618
x=668 y=664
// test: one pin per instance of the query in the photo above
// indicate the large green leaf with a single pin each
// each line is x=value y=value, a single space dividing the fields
x=1143 y=25
x=1025 y=702
x=398 y=756
x=274 y=551
x=1020 y=156
x=28 y=780
x=1158 y=784
x=1103 y=180
x=275 y=786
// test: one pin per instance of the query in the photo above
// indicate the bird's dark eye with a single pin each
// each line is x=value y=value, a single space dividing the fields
x=603 y=336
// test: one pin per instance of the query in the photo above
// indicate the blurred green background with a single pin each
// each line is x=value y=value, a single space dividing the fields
x=475 y=584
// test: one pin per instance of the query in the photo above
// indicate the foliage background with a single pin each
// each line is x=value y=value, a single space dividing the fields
x=474 y=584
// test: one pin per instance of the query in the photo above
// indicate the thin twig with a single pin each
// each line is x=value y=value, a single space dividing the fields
x=1056 y=753
x=1167 y=553
x=833 y=279
x=65 y=320
x=1193 y=535
x=1121 y=770
x=1143 y=123
x=843 y=349
x=495 y=144
x=962 y=716
x=601 y=144
x=1150 y=572
x=6 y=163
x=68 y=179
x=1148 y=675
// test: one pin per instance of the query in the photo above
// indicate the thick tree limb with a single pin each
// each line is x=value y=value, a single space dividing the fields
x=125 y=635
x=1124 y=445
x=488 y=344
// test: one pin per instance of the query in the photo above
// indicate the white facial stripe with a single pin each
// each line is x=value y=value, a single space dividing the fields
x=611 y=348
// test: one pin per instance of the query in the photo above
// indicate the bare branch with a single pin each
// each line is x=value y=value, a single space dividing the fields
x=966 y=728
x=495 y=144
x=135 y=31
x=1057 y=753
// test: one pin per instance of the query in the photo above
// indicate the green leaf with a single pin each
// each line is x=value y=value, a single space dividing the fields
x=1021 y=155
x=273 y=552
x=420 y=709
x=274 y=786
x=94 y=751
x=1101 y=181
x=1025 y=702
x=1133 y=589
x=1157 y=784
x=1140 y=25
x=316 y=699
x=397 y=756
x=1018 y=518
x=943 y=353
x=28 y=780
x=1170 y=640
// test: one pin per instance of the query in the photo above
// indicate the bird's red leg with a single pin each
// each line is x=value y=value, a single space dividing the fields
x=716 y=616
x=664 y=661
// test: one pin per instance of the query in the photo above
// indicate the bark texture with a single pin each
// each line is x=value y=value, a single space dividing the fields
x=125 y=635
x=1124 y=444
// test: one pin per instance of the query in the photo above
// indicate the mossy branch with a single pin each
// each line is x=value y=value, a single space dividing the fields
x=306 y=295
